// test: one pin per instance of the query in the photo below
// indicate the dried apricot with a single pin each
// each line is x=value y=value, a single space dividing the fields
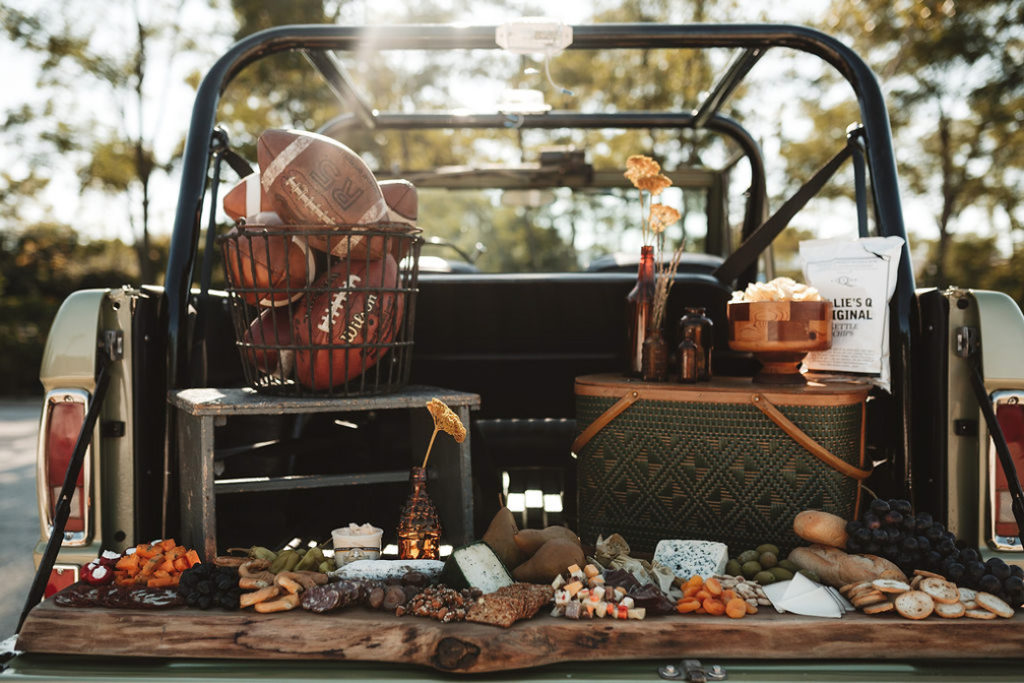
x=727 y=595
x=736 y=608
x=695 y=580
x=691 y=591
x=713 y=586
x=703 y=594
x=713 y=606
x=700 y=610
x=751 y=609
x=687 y=605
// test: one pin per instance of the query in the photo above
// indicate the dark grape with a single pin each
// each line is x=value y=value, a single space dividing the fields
x=205 y=601
x=968 y=555
x=998 y=568
x=1017 y=570
x=853 y=526
x=1013 y=583
x=863 y=535
x=880 y=536
x=893 y=518
x=909 y=524
x=909 y=544
x=901 y=506
x=990 y=584
x=895 y=535
x=879 y=507
x=932 y=559
x=872 y=548
x=890 y=550
x=854 y=545
x=872 y=521
x=905 y=560
x=923 y=544
x=954 y=571
x=924 y=520
x=974 y=570
x=946 y=548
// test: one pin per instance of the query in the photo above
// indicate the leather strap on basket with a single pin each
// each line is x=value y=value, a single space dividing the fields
x=604 y=418
x=801 y=437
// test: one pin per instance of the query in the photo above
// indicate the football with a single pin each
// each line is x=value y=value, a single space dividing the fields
x=340 y=329
x=245 y=198
x=267 y=270
x=310 y=179
x=402 y=201
x=267 y=341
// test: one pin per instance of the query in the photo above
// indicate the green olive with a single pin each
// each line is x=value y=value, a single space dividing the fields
x=733 y=568
x=781 y=573
x=768 y=559
x=768 y=548
x=748 y=556
x=791 y=566
x=750 y=569
x=764 y=578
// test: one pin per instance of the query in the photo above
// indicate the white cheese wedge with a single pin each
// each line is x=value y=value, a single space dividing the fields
x=476 y=565
x=689 y=558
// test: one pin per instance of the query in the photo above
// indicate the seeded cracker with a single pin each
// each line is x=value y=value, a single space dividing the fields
x=509 y=604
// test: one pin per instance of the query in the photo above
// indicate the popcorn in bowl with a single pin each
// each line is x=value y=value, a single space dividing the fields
x=779 y=289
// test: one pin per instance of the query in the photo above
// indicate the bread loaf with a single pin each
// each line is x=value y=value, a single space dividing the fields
x=815 y=526
x=838 y=568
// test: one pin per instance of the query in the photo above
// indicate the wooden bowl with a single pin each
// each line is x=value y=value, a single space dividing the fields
x=780 y=334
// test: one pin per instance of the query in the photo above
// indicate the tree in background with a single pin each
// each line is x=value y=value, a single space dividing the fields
x=105 y=75
x=954 y=81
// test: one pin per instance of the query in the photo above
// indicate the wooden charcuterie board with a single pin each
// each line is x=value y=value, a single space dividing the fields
x=364 y=635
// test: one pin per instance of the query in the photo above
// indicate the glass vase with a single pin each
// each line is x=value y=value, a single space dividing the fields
x=419 y=528
x=654 y=367
x=696 y=327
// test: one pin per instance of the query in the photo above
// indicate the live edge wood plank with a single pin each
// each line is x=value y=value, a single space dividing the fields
x=363 y=635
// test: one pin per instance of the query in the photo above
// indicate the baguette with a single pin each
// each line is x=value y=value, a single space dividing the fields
x=815 y=526
x=837 y=568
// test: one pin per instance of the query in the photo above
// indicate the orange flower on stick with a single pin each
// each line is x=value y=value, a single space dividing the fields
x=445 y=420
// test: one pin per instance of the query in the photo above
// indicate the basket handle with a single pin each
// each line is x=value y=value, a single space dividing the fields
x=801 y=437
x=604 y=418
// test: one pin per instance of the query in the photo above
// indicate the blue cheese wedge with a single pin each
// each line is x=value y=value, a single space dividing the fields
x=387 y=570
x=476 y=566
x=689 y=558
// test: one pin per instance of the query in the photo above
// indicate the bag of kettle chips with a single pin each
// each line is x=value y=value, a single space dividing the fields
x=859 y=278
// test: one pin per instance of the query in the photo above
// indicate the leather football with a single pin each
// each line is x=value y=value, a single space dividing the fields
x=339 y=329
x=267 y=270
x=245 y=198
x=402 y=200
x=267 y=342
x=310 y=179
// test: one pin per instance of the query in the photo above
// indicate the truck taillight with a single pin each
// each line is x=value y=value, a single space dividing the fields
x=63 y=415
x=1010 y=413
x=61 y=576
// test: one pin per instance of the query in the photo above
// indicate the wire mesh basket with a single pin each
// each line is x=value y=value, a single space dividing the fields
x=323 y=310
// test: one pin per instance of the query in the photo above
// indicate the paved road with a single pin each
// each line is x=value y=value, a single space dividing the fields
x=19 y=520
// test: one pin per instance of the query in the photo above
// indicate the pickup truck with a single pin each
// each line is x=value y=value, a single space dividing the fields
x=123 y=361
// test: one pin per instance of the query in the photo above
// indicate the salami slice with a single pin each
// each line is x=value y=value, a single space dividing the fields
x=321 y=599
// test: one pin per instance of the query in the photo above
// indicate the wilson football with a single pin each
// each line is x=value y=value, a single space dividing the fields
x=268 y=340
x=402 y=201
x=245 y=198
x=310 y=179
x=267 y=270
x=339 y=332
x=403 y=206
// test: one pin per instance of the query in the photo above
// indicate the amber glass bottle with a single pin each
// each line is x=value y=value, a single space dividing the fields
x=639 y=302
x=419 y=529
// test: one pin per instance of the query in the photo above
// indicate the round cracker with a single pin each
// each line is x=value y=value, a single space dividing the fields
x=995 y=605
x=914 y=604
x=950 y=610
x=859 y=589
x=915 y=582
x=967 y=594
x=868 y=599
x=940 y=590
x=979 y=614
x=879 y=607
x=928 y=575
x=890 y=586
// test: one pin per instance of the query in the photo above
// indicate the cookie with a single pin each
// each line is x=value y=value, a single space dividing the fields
x=940 y=590
x=950 y=610
x=914 y=604
x=995 y=605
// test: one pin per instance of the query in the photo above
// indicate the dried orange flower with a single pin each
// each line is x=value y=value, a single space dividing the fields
x=446 y=420
x=655 y=184
x=639 y=166
x=662 y=216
